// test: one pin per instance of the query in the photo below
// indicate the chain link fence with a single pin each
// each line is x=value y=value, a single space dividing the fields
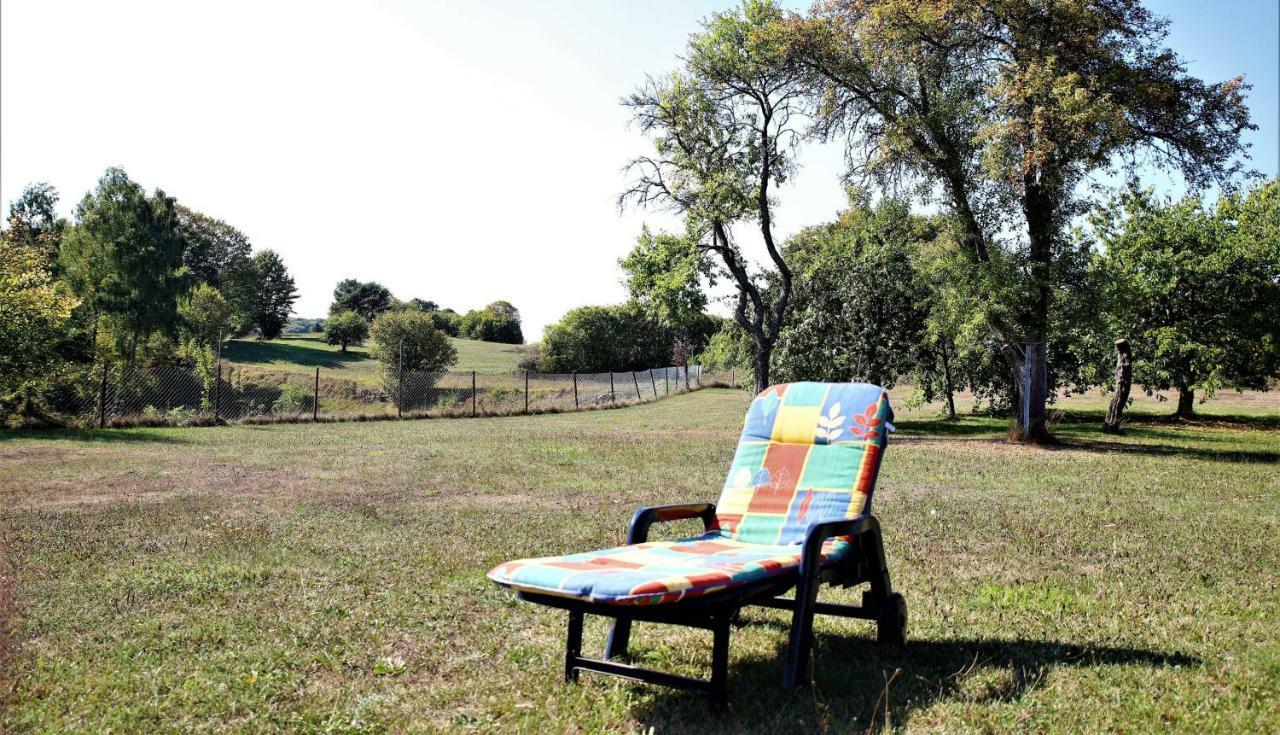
x=106 y=395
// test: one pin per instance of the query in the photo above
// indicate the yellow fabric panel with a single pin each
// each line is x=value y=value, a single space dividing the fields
x=796 y=424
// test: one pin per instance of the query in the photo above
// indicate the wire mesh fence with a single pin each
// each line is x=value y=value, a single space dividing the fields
x=107 y=395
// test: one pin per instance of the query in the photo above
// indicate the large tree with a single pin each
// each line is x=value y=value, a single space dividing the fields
x=1003 y=109
x=665 y=275
x=274 y=294
x=220 y=255
x=33 y=219
x=600 y=339
x=723 y=135
x=34 y=309
x=366 y=298
x=123 y=258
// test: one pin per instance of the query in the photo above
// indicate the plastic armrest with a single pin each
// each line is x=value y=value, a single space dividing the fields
x=811 y=557
x=646 y=517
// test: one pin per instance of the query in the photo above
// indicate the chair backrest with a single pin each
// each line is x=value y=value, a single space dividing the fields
x=809 y=453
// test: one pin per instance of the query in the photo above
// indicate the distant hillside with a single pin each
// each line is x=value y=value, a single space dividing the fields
x=306 y=352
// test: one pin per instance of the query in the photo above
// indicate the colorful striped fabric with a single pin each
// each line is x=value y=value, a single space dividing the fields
x=809 y=453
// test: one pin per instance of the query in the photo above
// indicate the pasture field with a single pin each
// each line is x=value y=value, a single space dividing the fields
x=330 y=577
x=305 y=352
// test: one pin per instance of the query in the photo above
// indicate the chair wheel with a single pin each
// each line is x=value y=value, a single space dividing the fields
x=891 y=623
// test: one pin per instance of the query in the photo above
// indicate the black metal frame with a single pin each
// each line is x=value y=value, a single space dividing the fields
x=865 y=563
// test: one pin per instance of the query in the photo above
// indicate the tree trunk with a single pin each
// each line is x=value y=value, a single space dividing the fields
x=761 y=361
x=1124 y=379
x=947 y=385
x=1186 y=402
x=1038 y=207
x=1033 y=395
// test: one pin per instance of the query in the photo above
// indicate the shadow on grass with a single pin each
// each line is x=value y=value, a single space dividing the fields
x=1094 y=418
x=863 y=686
x=110 y=436
x=1168 y=450
x=249 y=352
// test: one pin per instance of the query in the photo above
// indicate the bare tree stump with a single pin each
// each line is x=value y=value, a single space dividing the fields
x=1124 y=379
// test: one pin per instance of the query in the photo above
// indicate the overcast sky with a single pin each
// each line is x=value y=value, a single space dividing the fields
x=459 y=152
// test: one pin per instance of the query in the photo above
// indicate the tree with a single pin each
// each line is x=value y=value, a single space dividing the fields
x=421 y=305
x=408 y=338
x=345 y=328
x=729 y=347
x=274 y=294
x=447 y=321
x=368 y=299
x=598 y=339
x=723 y=135
x=860 y=307
x=123 y=259
x=1197 y=290
x=497 y=322
x=665 y=275
x=207 y=316
x=34 y=310
x=33 y=219
x=220 y=255
x=1005 y=108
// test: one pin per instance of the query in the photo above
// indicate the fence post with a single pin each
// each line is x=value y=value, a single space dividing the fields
x=575 y=392
x=473 y=393
x=400 y=385
x=732 y=382
x=686 y=376
x=612 y=398
x=315 y=402
x=217 y=394
x=666 y=380
x=526 y=391
x=102 y=398
x=654 y=383
x=636 y=380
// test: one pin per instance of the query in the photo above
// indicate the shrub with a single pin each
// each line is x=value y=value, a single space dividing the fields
x=596 y=339
x=497 y=322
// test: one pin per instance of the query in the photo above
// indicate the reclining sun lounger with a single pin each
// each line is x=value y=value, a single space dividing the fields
x=795 y=512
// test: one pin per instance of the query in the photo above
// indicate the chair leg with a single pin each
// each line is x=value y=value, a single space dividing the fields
x=796 y=673
x=720 y=663
x=573 y=647
x=619 y=639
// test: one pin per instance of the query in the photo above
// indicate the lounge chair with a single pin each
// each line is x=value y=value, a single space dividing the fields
x=795 y=512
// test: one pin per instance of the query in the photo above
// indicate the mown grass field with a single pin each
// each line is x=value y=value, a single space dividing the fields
x=330 y=577
x=306 y=352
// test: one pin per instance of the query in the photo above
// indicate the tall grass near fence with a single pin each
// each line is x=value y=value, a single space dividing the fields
x=106 y=395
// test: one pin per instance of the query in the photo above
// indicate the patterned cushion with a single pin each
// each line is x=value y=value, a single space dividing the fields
x=656 y=572
x=809 y=453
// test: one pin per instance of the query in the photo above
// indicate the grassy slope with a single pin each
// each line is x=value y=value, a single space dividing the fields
x=330 y=577
x=306 y=352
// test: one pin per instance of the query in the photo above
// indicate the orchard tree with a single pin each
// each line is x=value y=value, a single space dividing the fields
x=1004 y=109
x=368 y=299
x=409 y=339
x=860 y=308
x=123 y=259
x=723 y=135
x=345 y=328
x=274 y=294
x=1197 y=290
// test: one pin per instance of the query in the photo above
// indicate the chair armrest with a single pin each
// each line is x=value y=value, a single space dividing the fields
x=811 y=558
x=646 y=517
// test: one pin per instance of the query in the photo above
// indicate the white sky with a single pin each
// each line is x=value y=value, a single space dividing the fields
x=458 y=152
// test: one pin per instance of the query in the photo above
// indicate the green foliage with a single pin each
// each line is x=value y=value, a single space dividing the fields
x=597 y=339
x=368 y=299
x=273 y=296
x=123 y=258
x=1197 y=289
x=206 y=315
x=410 y=339
x=447 y=321
x=294 y=398
x=220 y=255
x=497 y=322
x=665 y=275
x=33 y=219
x=34 y=310
x=345 y=328
x=860 y=308
x=730 y=347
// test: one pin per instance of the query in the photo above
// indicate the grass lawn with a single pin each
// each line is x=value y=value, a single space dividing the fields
x=329 y=578
x=306 y=352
